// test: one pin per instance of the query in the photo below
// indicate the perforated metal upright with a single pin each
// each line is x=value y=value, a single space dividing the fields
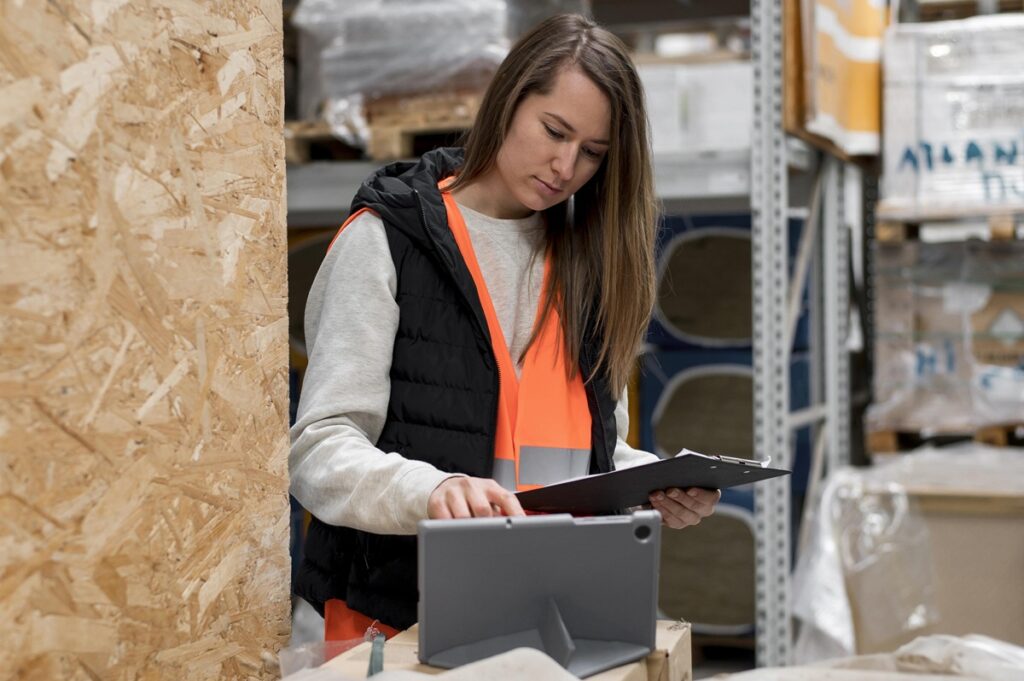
x=773 y=422
x=769 y=205
x=836 y=249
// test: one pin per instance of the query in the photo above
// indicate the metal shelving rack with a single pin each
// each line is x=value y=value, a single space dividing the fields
x=774 y=316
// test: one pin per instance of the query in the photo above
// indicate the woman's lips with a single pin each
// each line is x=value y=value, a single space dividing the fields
x=546 y=188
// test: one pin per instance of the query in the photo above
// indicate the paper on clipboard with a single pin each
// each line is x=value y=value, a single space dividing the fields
x=616 y=490
x=731 y=459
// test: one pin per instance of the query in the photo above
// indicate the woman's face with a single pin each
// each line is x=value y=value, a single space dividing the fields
x=555 y=144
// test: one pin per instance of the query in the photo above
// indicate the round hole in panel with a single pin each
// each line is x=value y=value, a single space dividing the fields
x=708 y=409
x=707 y=573
x=704 y=287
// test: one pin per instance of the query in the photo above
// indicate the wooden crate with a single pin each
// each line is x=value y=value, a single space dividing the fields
x=396 y=122
x=670 y=660
x=306 y=141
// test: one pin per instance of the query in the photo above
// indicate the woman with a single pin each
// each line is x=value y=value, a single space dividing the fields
x=473 y=326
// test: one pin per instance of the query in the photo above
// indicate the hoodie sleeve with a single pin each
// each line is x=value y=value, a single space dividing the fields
x=351 y=320
x=625 y=456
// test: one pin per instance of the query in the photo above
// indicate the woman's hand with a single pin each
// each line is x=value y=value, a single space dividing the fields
x=464 y=497
x=682 y=508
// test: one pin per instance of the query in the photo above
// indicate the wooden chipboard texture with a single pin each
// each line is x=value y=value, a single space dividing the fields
x=143 y=340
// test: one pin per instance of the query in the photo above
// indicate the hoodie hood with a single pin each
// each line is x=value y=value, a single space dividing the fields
x=405 y=194
x=406 y=197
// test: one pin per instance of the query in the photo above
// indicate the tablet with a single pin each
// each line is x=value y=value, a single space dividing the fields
x=582 y=590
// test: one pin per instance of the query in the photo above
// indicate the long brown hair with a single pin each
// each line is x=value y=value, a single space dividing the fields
x=602 y=246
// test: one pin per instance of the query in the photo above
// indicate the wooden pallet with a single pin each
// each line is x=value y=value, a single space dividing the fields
x=944 y=10
x=890 y=441
x=397 y=123
x=306 y=141
x=896 y=441
x=1000 y=227
x=1001 y=435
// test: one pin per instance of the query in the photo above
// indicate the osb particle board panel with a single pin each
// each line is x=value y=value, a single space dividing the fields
x=143 y=340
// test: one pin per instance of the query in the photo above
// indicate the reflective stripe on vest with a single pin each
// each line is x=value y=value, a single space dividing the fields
x=543 y=431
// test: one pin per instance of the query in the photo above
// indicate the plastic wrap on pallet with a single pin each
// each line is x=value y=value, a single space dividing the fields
x=979 y=658
x=949 y=339
x=922 y=374
x=867 y=581
x=868 y=553
x=355 y=51
x=968 y=467
x=975 y=656
x=352 y=52
x=954 y=102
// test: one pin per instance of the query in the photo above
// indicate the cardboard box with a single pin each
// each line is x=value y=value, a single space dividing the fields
x=997 y=337
x=842 y=72
x=698 y=108
x=954 y=102
x=998 y=330
x=794 y=106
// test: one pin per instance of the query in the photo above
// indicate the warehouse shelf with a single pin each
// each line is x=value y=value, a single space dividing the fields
x=718 y=175
x=319 y=193
x=661 y=15
x=823 y=256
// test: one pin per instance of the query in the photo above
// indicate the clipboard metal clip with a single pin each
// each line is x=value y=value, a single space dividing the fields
x=728 y=459
x=745 y=462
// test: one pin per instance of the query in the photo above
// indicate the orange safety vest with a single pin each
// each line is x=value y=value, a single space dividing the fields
x=543 y=431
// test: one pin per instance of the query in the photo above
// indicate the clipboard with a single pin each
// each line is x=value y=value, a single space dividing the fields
x=611 y=492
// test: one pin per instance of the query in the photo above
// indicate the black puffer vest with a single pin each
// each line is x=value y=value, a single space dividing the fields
x=444 y=390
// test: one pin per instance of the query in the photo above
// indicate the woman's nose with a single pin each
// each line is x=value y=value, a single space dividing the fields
x=564 y=162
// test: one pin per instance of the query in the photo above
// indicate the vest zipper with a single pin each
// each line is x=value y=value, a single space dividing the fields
x=591 y=388
x=600 y=420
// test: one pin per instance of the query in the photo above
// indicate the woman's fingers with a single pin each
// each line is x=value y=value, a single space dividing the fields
x=457 y=505
x=700 y=501
x=465 y=497
x=479 y=504
x=684 y=508
x=674 y=514
x=506 y=501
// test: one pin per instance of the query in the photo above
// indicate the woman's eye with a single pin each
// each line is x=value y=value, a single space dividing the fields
x=591 y=153
x=554 y=134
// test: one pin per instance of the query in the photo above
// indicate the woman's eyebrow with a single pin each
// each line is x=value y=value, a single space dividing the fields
x=570 y=128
